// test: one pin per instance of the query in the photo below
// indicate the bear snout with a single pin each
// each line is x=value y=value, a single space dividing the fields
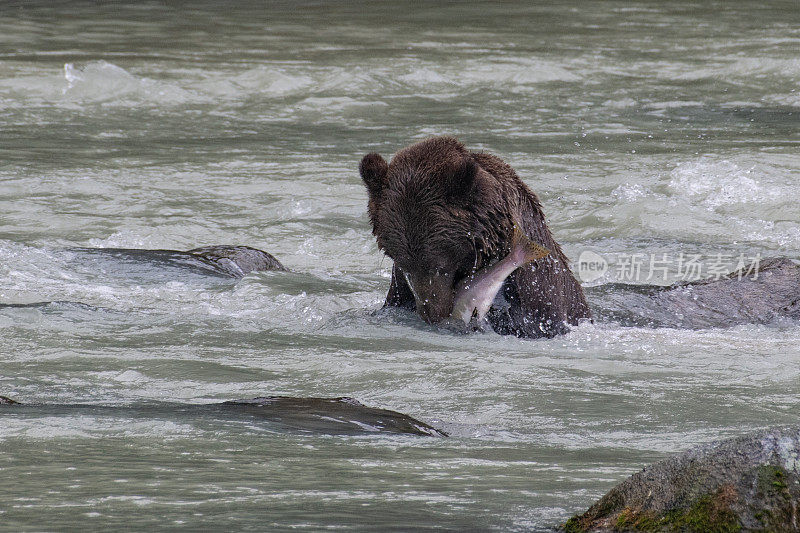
x=433 y=294
x=434 y=311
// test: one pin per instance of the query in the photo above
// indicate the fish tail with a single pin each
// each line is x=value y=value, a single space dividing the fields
x=529 y=250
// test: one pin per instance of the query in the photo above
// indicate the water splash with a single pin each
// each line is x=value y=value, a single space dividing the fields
x=104 y=82
x=721 y=183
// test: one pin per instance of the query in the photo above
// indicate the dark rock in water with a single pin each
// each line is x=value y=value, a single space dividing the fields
x=748 y=483
x=237 y=261
x=30 y=305
x=732 y=300
x=59 y=304
x=332 y=415
x=222 y=261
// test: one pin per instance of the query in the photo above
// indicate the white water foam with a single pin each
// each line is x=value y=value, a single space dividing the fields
x=721 y=183
x=100 y=81
x=87 y=426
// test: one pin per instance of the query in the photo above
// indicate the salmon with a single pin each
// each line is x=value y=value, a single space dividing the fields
x=475 y=293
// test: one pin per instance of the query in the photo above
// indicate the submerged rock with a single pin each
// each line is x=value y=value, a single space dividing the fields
x=220 y=261
x=748 y=483
x=330 y=416
x=237 y=261
x=759 y=294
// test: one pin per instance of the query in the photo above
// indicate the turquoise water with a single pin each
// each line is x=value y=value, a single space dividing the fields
x=650 y=128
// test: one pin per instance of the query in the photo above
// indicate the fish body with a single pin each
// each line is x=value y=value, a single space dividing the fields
x=475 y=293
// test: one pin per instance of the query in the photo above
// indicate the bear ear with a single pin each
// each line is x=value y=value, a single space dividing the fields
x=461 y=182
x=373 y=170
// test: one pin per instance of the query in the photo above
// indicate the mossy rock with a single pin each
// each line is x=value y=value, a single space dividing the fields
x=749 y=483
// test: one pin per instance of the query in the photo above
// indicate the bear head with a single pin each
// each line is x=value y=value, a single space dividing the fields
x=439 y=216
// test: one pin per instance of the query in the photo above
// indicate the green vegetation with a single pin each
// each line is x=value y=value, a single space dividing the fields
x=629 y=520
x=708 y=514
x=574 y=525
x=772 y=485
x=772 y=479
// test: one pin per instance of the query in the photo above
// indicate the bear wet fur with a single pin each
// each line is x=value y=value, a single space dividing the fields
x=441 y=212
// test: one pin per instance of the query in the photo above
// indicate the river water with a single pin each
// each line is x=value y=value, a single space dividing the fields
x=651 y=128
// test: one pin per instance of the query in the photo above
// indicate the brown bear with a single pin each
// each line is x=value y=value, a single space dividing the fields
x=441 y=212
